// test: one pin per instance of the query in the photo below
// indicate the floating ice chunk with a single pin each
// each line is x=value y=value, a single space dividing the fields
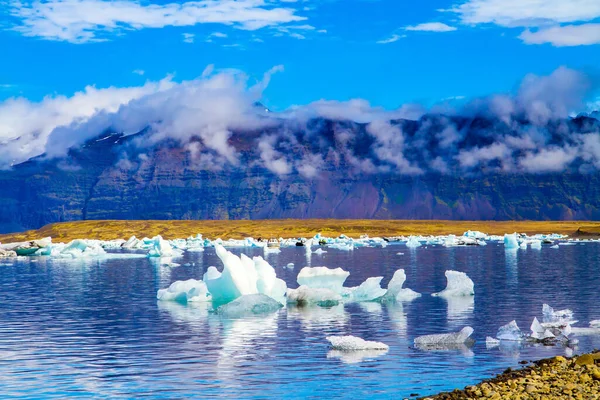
x=195 y=249
x=184 y=291
x=319 y=251
x=323 y=278
x=160 y=248
x=236 y=280
x=595 y=323
x=559 y=318
x=536 y=244
x=475 y=235
x=510 y=332
x=539 y=332
x=399 y=254
x=445 y=338
x=555 y=247
x=342 y=246
x=81 y=248
x=353 y=343
x=459 y=284
x=289 y=266
x=491 y=342
x=395 y=292
x=369 y=290
x=252 y=304
x=355 y=357
x=510 y=241
x=267 y=282
x=413 y=242
x=271 y=250
x=305 y=295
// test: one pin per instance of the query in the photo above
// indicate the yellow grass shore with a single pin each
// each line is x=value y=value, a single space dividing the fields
x=293 y=228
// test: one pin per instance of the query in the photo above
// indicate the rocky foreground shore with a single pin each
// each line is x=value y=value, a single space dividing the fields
x=554 y=378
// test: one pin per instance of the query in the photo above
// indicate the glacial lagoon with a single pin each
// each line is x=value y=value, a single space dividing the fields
x=93 y=327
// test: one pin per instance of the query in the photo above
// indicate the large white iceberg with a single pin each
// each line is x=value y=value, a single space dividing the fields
x=459 y=284
x=242 y=276
x=305 y=295
x=510 y=332
x=353 y=343
x=81 y=248
x=369 y=290
x=445 y=339
x=160 y=248
x=323 y=278
x=511 y=241
x=395 y=291
x=252 y=304
x=185 y=291
x=413 y=242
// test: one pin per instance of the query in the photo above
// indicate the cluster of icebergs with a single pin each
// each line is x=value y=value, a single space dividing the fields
x=556 y=327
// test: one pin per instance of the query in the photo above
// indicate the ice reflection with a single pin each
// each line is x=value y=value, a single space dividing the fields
x=398 y=317
x=355 y=357
x=463 y=348
x=321 y=319
x=460 y=310
x=193 y=314
x=512 y=268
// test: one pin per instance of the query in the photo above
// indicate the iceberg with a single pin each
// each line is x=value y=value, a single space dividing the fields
x=323 y=278
x=538 y=332
x=252 y=304
x=595 y=323
x=242 y=276
x=305 y=295
x=319 y=252
x=185 y=291
x=556 y=319
x=160 y=248
x=353 y=343
x=413 y=242
x=369 y=290
x=395 y=292
x=289 y=266
x=81 y=248
x=510 y=332
x=510 y=241
x=341 y=246
x=461 y=337
x=459 y=284
x=536 y=244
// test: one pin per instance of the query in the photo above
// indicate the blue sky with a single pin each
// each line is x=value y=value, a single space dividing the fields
x=389 y=52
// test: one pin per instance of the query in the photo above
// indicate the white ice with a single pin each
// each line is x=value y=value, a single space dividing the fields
x=491 y=342
x=252 y=304
x=395 y=291
x=595 y=323
x=556 y=319
x=160 y=248
x=185 y=291
x=242 y=276
x=413 y=242
x=510 y=332
x=355 y=357
x=319 y=251
x=323 y=278
x=539 y=332
x=369 y=290
x=81 y=248
x=445 y=338
x=305 y=295
x=459 y=284
x=353 y=343
x=510 y=241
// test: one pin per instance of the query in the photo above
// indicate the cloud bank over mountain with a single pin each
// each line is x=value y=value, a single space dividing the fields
x=528 y=131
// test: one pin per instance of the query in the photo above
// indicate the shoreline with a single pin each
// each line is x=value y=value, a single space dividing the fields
x=294 y=228
x=577 y=377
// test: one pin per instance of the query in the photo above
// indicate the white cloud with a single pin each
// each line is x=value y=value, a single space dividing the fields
x=526 y=13
x=139 y=72
x=80 y=21
x=391 y=39
x=431 y=27
x=188 y=37
x=562 y=36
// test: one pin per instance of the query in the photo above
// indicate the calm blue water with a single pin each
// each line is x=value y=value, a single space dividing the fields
x=95 y=329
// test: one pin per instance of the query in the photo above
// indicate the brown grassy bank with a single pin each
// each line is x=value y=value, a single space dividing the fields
x=290 y=228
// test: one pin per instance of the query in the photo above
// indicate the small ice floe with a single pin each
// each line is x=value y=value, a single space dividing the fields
x=595 y=323
x=80 y=248
x=369 y=290
x=323 y=278
x=556 y=319
x=459 y=284
x=289 y=266
x=319 y=252
x=341 y=246
x=353 y=343
x=413 y=242
x=399 y=254
x=555 y=247
x=271 y=250
x=161 y=248
x=195 y=249
x=395 y=290
x=185 y=291
x=445 y=340
x=510 y=332
x=538 y=332
x=251 y=304
x=304 y=296
x=536 y=244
